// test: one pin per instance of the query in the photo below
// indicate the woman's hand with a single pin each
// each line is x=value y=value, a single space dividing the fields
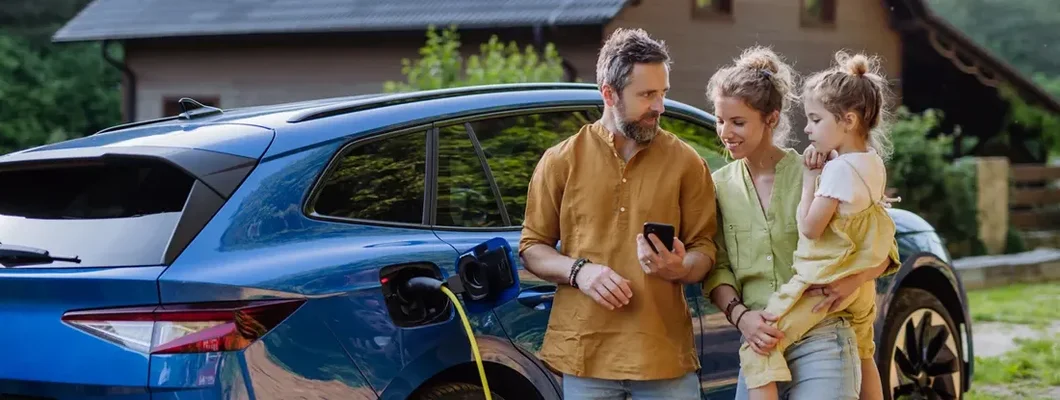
x=834 y=293
x=837 y=291
x=760 y=335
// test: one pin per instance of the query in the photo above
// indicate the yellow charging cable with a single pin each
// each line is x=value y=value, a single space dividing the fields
x=470 y=338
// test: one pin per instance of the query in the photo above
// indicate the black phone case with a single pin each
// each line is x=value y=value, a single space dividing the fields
x=663 y=231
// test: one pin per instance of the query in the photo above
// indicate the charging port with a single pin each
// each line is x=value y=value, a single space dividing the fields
x=413 y=309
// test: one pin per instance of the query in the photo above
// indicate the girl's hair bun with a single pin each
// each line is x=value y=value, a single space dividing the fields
x=857 y=64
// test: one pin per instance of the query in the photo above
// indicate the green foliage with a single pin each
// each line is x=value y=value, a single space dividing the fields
x=1014 y=242
x=53 y=94
x=705 y=142
x=1050 y=84
x=442 y=66
x=1023 y=32
x=1035 y=119
x=940 y=191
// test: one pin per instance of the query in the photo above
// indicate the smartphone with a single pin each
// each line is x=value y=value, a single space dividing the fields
x=665 y=233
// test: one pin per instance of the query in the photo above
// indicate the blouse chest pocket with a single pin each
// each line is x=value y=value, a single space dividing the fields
x=738 y=243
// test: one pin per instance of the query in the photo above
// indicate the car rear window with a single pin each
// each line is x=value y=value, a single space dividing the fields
x=121 y=212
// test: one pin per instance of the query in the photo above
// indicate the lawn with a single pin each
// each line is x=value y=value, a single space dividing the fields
x=1034 y=304
x=1032 y=369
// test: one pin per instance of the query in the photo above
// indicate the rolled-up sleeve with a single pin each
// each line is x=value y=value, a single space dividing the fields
x=722 y=273
x=699 y=222
x=541 y=224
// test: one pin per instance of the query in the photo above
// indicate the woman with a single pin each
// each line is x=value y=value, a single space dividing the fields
x=758 y=198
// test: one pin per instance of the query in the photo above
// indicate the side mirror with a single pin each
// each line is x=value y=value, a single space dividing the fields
x=486 y=276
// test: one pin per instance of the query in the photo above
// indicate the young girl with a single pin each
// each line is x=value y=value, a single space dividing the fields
x=842 y=219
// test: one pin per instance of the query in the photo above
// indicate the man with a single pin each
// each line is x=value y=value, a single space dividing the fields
x=619 y=322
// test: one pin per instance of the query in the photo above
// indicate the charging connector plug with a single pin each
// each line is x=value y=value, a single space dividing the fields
x=423 y=284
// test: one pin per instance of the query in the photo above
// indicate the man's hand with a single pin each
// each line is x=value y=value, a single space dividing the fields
x=604 y=285
x=666 y=264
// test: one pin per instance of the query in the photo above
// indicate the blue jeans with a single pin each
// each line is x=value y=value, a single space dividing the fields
x=824 y=365
x=683 y=388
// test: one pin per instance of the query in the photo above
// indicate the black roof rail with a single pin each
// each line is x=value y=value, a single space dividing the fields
x=410 y=97
x=200 y=110
x=136 y=123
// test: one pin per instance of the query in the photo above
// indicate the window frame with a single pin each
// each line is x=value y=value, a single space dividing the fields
x=807 y=21
x=468 y=120
x=430 y=136
x=487 y=172
x=711 y=13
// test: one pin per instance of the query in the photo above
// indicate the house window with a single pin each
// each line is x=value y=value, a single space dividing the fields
x=171 y=105
x=711 y=9
x=818 y=12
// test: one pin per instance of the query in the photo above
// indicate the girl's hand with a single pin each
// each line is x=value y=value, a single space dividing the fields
x=815 y=160
x=760 y=335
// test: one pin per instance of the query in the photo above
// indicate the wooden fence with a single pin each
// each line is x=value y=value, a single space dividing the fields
x=1034 y=203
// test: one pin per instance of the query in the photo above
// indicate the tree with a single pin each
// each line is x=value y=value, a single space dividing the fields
x=1023 y=32
x=50 y=92
x=442 y=66
x=930 y=185
x=46 y=97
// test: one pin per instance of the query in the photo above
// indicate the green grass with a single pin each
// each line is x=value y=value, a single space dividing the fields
x=1032 y=304
x=1035 y=362
x=1032 y=370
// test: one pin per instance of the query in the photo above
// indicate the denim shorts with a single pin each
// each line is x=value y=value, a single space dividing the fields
x=824 y=365
x=682 y=388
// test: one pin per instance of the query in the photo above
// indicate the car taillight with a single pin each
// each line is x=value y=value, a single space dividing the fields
x=185 y=328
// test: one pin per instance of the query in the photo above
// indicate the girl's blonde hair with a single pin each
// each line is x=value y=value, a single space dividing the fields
x=855 y=84
x=760 y=78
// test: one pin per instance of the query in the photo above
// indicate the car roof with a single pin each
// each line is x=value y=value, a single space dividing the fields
x=297 y=128
x=309 y=123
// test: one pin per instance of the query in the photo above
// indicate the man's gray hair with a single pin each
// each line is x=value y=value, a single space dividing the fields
x=624 y=49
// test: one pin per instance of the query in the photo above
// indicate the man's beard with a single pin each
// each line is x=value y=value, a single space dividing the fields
x=637 y=130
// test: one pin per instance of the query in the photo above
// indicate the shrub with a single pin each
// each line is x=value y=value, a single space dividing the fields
x=442 y=66
x=930 y=185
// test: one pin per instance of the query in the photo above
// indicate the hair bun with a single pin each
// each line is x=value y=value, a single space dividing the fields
x=760 y=58
x=857 y=65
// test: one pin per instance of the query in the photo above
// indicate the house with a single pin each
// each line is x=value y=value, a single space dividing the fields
x=250 y=52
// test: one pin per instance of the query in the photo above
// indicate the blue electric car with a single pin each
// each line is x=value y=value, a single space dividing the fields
x=253 y=254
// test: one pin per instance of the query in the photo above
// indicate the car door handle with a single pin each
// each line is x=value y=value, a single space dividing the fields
x=538 y=297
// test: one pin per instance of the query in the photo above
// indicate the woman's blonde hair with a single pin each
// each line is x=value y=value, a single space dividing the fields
x=760 y=78
x=855 y=85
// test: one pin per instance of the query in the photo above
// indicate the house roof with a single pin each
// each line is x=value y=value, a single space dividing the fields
x=137 y=19
x=986 y=66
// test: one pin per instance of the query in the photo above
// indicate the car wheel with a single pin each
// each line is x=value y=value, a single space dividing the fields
x=456 y=391
x=921 y=349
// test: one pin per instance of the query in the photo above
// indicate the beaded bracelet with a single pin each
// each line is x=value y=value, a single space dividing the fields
x=574 y=271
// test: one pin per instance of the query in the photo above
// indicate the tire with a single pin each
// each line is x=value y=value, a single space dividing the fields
x=934 y=370
x=456 y=391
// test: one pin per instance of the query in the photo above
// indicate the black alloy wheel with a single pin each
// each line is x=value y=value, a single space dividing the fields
x=922 y=349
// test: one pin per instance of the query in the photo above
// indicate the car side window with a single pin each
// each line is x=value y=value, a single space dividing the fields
x=465 y=198
x=702 y=138
x=513 y=145
x=378 y=180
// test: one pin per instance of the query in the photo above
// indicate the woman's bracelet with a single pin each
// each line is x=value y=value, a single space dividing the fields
x=728 y=308
x=745 y=310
